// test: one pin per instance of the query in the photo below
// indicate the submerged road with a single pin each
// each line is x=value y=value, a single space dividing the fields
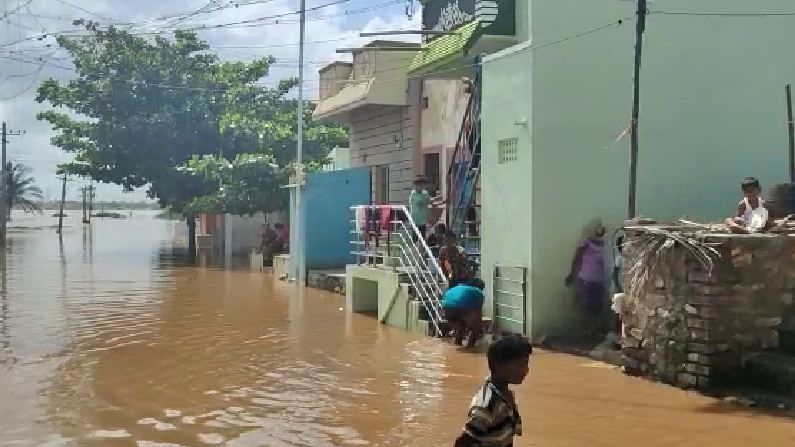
x=107 y=340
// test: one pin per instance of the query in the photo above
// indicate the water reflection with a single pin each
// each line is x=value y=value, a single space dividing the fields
x=118 y=342
x=6 y=356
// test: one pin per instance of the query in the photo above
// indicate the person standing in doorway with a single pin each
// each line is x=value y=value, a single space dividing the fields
x=588 y=272
x=419 y=201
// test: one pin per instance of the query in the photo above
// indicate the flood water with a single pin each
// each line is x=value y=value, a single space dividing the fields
x=108 y=340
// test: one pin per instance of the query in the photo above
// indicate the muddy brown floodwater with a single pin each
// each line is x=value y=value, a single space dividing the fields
x=109 y=341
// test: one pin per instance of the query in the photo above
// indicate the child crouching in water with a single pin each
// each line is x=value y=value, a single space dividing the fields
x=494 y=419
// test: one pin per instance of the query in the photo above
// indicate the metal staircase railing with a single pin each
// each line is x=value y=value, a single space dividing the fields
x=463 y=174
x=386 y=236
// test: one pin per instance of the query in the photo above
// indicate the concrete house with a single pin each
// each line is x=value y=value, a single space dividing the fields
x=555 y=148
x=473 y=27
x=370 y=96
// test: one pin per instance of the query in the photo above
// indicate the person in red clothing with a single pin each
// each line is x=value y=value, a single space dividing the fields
x=283 y=236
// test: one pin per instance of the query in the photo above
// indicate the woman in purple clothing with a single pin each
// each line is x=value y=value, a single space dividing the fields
x=588 y=270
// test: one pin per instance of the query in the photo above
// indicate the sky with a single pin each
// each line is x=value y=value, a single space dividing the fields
x=334 y=24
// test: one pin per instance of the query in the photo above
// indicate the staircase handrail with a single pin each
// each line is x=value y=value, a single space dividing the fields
x=420 y=237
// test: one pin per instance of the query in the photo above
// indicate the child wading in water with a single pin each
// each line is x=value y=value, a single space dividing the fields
x=588 y=271
x=494 y=419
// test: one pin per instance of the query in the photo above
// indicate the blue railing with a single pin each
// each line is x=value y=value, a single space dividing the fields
x=464 y=172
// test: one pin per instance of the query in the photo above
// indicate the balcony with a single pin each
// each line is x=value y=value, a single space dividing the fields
x=374 y=78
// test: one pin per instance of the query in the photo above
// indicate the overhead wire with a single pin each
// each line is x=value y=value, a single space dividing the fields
x=721 y=14
x=19 y=7
x=455 y=68
x=241 y=23
x=87 y=11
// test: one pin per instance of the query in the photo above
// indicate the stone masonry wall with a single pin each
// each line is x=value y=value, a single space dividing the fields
x=693 y=327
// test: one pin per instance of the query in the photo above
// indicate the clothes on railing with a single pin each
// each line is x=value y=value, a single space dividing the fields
x=385 y=216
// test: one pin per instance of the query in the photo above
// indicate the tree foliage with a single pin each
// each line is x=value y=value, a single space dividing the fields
x=22 y=190
x=248 y=184
x=150 y=112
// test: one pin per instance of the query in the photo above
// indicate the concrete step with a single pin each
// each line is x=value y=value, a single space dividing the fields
x=771 y=371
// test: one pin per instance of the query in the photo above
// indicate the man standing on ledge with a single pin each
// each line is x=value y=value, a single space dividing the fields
x=419 y=201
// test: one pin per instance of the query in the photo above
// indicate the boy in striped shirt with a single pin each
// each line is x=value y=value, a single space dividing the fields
x=493 y=416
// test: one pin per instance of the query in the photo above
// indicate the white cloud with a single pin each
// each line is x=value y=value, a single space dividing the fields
x=327 y=29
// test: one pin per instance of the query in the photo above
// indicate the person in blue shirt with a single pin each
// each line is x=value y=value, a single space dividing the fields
x=463 y=309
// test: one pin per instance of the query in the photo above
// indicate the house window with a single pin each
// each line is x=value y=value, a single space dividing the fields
x=424 y=102
x=431 y=169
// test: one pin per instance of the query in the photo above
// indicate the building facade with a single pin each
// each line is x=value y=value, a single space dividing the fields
x=557 y=106
x=372 y=96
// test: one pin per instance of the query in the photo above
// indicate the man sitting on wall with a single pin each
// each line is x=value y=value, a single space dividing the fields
x=463 y=309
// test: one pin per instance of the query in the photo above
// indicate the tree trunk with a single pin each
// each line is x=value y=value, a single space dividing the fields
x=191 y=222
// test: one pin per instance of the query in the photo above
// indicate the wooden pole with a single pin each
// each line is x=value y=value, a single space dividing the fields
x=3 y=187
x=791 y=126
x=90 y=201
x=633 y=155
x=63 y=199
x=85 y=205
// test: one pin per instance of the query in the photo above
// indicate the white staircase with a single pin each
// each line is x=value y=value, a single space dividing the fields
x=394 y=242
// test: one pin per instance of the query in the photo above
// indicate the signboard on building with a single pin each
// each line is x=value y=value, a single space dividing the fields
x=447 y=15
x=497 y=17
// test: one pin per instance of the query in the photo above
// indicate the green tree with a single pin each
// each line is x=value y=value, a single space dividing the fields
x=22 y=190
x=248 y=184
x=146 y=107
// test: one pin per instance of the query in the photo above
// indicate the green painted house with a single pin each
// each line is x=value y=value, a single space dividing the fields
x=556 y=107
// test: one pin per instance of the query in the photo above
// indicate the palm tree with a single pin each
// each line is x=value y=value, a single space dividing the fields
x=22 y=190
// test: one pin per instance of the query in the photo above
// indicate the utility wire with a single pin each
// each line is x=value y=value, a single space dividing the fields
x=19 y=7
x=723 y=14
x=80 y=8
x=237 y=24
x=455 y=68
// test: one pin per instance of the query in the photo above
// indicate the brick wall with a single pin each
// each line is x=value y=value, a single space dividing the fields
x=692 y=327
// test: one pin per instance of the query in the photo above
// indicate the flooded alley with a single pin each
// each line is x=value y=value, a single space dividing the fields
x=109 y=340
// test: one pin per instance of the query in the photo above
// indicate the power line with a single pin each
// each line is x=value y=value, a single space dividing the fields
x=237 y=24
x=17 y=9
x=27 y=88
x=456 y=68
x=80 y=8
x=723 y=14
x=613 y=24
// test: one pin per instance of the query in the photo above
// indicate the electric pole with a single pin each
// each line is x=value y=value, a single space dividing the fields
x=90 y=201
x=84 y=190
x=4 y=209
x=60 y=213
x=640 y=27
x=791 y=128
x=296 y=243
